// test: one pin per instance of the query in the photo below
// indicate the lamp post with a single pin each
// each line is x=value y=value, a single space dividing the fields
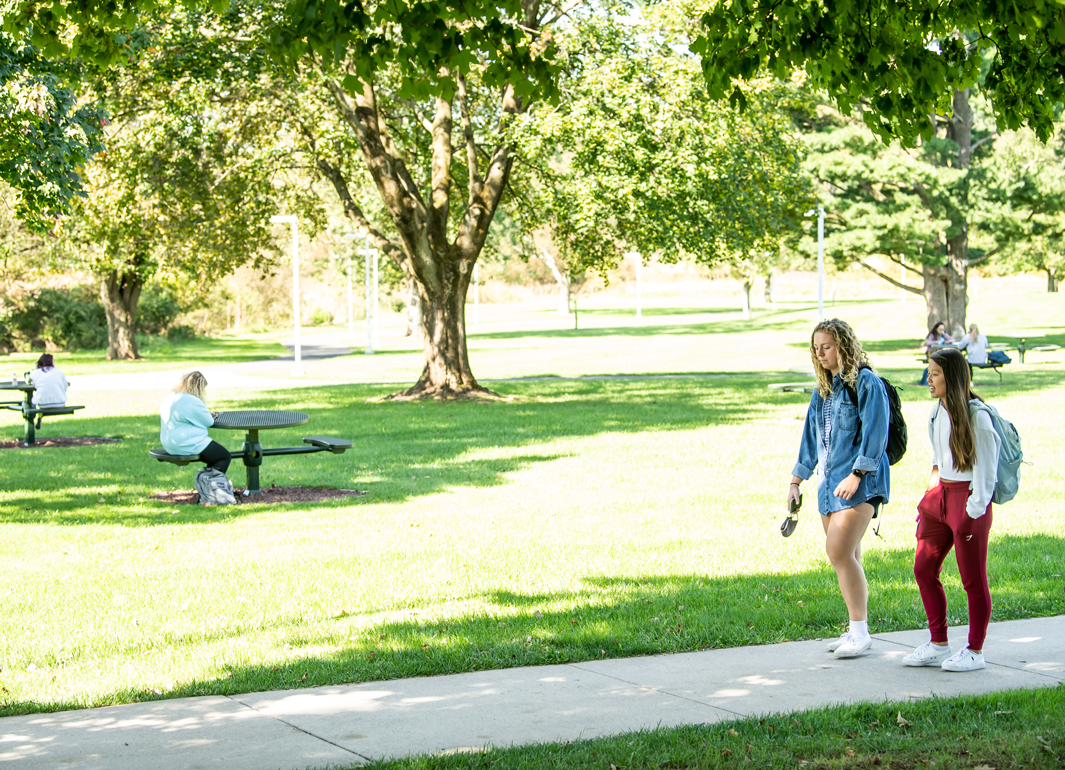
x=820 y=260
x=639 y=265
x=288 y=219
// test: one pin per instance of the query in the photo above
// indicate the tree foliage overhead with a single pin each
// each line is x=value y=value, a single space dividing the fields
x=636 y=156
x=898 y=62
x=46 y=135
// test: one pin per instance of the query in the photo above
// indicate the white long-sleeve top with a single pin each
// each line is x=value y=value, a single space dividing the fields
x=51 y=387
x=977 y=351
x=984 y=474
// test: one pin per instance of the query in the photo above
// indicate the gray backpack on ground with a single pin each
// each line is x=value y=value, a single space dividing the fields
x=214 y=488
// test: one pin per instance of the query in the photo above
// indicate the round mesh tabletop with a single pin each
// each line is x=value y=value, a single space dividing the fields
x=259 y=419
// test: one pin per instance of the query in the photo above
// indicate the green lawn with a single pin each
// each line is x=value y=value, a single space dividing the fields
x=576 y=520
x=1019 y=730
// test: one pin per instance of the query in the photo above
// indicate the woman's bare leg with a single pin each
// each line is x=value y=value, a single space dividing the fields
x=843 y=544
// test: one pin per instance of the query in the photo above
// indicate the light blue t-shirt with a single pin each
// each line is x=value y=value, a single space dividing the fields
x=183 y=424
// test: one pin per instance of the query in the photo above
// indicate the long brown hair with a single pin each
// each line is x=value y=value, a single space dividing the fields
x=959 y=392
x=849 y=352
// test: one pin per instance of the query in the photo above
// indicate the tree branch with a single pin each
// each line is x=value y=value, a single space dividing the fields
x=888 y=278
x=471 y=143
x=398 y=190
x=439 y=207
x=356 y=215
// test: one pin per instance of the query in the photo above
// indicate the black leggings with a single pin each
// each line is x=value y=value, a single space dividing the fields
x=216 y=456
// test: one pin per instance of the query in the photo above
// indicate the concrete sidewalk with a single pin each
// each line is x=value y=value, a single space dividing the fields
x=347 y=725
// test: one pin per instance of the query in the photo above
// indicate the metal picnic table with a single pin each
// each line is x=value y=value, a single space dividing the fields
x=251 y=452
x=27 y=408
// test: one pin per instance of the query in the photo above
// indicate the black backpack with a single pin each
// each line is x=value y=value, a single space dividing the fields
x=896 y=438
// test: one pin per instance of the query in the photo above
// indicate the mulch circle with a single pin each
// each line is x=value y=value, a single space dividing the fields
x=60 y=441
x=269 y=494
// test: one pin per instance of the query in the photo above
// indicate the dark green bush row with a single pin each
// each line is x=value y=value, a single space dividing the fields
x=74 y=318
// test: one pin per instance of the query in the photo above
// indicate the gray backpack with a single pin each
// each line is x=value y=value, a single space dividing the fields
x=1010 y=455
x=214 y=488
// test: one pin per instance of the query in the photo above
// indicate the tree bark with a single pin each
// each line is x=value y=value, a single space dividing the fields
x=119 y=293
x=747 y=284
x=1052 y=280
x=441 y=268
x=954 y=276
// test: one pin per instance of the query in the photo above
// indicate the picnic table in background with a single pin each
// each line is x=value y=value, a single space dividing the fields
x=30 y=412
x=252 y=453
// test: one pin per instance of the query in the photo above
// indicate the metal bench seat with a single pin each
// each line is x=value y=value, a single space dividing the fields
x=334 y=445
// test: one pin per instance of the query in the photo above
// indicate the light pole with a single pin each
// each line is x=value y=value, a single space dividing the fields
x=639 y=265
x=372 y=337
x=820 y=260
x=288 y=219
x=351 y=304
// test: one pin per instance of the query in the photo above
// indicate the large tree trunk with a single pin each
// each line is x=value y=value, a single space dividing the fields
x=440 y=267
x=447 y=372
x=953 y=277
x=119 y=293
x=1052 y=280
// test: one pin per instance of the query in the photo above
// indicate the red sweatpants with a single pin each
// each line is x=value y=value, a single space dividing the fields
x=937 y=533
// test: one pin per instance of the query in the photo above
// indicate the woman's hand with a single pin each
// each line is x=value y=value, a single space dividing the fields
x=847 y=487
x=793 y=497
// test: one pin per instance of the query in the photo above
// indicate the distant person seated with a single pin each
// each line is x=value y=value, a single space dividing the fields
x=184 y=420
x=937 y=336
x=50 y=384
x=975 y=345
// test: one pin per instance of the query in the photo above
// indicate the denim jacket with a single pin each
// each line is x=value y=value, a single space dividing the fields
x=843 y=456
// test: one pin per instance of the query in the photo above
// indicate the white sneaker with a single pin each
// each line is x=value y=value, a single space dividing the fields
x=927 y=654
x=836 y=643
x=852 y=648
x=964 y=660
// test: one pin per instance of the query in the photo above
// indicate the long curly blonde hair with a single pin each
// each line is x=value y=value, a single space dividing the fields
x=851 y=355
x=195 y=384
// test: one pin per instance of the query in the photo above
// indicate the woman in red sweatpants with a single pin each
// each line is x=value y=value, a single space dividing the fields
x=955 y=512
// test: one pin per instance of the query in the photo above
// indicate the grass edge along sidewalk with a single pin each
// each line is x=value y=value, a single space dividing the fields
x=996 y=731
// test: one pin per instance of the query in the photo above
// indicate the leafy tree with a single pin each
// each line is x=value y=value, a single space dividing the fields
x=421 y=99
x=637 y=157
x=186 y=188
x=46 y=136
x=963 y=198
x=897 y=62
x=913 y=207
x=1025 y=204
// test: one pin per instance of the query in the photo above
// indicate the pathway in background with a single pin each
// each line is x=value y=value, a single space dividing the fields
x=346 y=725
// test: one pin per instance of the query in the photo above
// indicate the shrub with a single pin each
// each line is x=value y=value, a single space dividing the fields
x=320 y=317
x=72 y=318
x=158 y=308
x=180 y=332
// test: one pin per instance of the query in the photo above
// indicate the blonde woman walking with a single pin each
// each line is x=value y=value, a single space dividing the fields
x=845 y=440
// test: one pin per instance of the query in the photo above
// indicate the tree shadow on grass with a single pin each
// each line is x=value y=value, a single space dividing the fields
x=611 y=617
x=401 y=450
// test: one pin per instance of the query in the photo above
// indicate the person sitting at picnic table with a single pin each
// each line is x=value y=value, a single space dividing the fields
x=975 y=346
x=184 y=420
x=937 y=335
x=50 y=384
